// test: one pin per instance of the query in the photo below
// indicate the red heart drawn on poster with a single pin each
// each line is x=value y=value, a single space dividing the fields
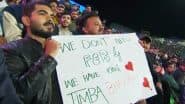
x=146 y=83
x=129 y=66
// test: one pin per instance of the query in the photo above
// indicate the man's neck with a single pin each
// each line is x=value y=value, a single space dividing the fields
x=37 y=38
x=64 y=28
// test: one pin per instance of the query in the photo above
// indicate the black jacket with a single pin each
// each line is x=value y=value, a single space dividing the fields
x=31 y=71
x=7 y=91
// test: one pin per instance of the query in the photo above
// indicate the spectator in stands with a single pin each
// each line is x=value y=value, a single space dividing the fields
x=8 y=94
x=74 y=16
x=54 y=6
x=145 y=42
x=12 y=24
x=67 y=5
x=60 y=10
x=90 y=23
x=65 y=21
x=13 y=27
x=75 y=7
x=179 y=76
x=88 y=9
x=170 y=86
x=31 y=60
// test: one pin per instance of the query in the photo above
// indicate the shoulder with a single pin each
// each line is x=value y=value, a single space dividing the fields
x=15 y=46
x=14 y=10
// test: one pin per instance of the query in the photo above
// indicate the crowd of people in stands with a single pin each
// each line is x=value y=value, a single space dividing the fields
x=27 y=54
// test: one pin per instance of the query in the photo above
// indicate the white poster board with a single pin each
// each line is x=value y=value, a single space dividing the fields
x=103 y=69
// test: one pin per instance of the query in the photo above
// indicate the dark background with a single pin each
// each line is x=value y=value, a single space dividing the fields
x=161 y=17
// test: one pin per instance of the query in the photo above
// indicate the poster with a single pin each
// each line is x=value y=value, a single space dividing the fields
x=103 y=69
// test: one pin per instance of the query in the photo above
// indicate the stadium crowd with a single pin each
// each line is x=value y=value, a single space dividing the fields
x=27 y=54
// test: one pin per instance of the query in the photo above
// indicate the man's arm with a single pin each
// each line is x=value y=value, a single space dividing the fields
x=7 y=91
x=27 y=79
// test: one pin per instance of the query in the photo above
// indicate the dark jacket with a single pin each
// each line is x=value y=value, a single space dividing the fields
x=179 y=76
x=7 y=91
x=31 y=71
x=170 y=88
x=157 y=99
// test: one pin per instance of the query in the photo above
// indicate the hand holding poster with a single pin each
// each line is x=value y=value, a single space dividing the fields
x=103 y=69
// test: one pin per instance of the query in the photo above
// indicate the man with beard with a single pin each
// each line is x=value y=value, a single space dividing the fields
x=74 y=17
x=65 y=21
x=31 y=61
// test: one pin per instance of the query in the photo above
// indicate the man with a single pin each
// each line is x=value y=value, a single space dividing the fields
x=31 y=60
x=88 y=9
x=60 y=10
x=75 y=7
x=7 y=91
x=11 y=22
x=90 y=23
x=145 y=42
x=54 y=7
x=65 y=21
x=179 y=76
x=170 y=86
x=74 y=17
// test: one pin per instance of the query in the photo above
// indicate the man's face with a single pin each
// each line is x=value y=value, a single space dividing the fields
x=54 y=7
x=171 y=68
x=60 y=9
x=93 y=26
x=74 y=15
x=145 y=45
x=41 y=23
x=65 y=20
x=88 y=9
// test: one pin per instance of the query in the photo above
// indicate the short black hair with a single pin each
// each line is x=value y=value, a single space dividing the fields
x=146 y=39
x=29 y=7
x=82 y=21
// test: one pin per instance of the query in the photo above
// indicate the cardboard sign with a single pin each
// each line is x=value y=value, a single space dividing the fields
x=103 y=69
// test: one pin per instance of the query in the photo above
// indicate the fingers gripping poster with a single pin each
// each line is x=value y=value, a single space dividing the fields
x=103 y=69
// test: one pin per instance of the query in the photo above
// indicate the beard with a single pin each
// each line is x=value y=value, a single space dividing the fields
x=41 y=32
